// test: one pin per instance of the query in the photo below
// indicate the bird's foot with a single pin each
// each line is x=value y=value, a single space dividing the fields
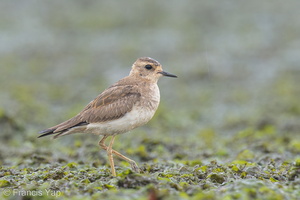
x=134 y=167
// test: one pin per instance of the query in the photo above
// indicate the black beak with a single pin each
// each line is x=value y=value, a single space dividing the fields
x=167 y=74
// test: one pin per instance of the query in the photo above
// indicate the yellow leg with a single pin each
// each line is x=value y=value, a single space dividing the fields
x=110 y=151
x=110 y=156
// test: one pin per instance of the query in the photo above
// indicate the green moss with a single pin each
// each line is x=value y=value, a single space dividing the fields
x=295 y=146
x=183 y=184
x=110 y=187
x=229 y=132
x=203 y=168
x=163 y=179
x=193 y=163
x=218 y=170
x=217 y=178
x=273 y=180
x=166 y=175
x=245 y=155
x=4 y=183
x=204 y=195
x=235 y=168
x=243 y=163
x=297 y=163
x=71 y=165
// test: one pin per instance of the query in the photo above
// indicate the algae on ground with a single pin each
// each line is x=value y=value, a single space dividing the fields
x=227 y=128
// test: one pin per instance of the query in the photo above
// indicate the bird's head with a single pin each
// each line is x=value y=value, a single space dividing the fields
x=148 y=69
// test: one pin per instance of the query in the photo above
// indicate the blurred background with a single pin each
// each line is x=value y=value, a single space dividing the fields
x=237 y=64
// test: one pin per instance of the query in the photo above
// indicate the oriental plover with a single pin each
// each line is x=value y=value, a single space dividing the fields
x=129 y=103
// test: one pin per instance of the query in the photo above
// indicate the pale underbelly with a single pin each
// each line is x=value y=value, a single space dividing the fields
x=135 y=118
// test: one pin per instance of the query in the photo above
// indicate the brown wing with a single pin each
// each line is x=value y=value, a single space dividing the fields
x=111 y=104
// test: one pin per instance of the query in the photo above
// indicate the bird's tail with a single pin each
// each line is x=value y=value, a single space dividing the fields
x=63 y=129
x=46 y=132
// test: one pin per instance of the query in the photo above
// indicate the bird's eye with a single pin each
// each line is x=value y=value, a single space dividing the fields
x=148 y=67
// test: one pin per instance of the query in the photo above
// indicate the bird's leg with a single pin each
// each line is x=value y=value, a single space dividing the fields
x=133 y=164
x=109 y=151
x=102 y=144
x=110 y=156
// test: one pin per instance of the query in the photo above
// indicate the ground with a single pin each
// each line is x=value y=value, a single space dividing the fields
x=227 y=128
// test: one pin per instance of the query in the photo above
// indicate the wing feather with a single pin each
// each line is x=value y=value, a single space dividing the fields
x=111 y=104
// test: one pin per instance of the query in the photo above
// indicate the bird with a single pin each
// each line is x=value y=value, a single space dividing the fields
x=127 y=104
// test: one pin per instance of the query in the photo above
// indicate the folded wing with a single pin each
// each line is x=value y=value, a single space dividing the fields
x=111 y=104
